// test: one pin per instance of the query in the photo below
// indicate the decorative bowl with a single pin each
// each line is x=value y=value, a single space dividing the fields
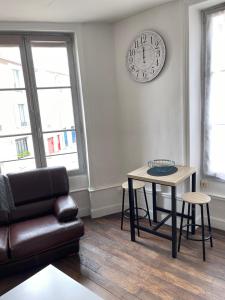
x=161 y=163
x=161 y=167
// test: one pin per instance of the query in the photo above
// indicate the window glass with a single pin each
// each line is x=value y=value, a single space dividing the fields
x=11 y=72
x=59 y=118
x=50 y=65
x=214 y=108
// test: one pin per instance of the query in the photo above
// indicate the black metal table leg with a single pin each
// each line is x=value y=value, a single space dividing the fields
x=131 y=204
x=188 y=219
x=203 y=232
x=146 y=203
x=209 y=225
x=193 y=211
x=136 y=208
x=154 y=202
x=174 y=221
x=122 y=213
x=181 y=225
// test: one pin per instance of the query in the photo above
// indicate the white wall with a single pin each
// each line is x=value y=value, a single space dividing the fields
x=96 y=50
x=152 y=114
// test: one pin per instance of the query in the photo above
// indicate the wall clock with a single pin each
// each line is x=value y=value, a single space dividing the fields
x=146 y=56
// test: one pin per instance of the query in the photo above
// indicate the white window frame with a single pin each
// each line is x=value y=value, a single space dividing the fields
x=23 y=40
x=205 y=83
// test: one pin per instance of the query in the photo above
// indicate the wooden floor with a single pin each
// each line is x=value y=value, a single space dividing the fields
x=113 y=267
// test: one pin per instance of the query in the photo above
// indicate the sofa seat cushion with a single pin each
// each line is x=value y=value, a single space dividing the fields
x=3 y=244
x=34 y=236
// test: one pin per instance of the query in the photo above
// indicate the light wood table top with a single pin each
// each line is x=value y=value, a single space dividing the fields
x=50 y=284
x=182 y=173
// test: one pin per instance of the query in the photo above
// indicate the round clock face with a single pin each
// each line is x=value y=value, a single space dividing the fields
x=146 y=56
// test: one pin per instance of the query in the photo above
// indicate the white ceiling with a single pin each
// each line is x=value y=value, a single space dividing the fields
x=72 y=10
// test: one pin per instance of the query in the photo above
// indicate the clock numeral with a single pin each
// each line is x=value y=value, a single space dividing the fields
x=144 y=74
x=151 y=40
x=157 y=62
x=136 y=44
x=132 y=52
x=132 y=68
x=156 y=44
x=137 y=73
x=131 y=59
x=152 y=71
x=158 y=53
x=143 y=38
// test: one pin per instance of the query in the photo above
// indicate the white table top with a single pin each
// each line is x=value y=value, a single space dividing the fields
x=182 y=173
x=50 y=284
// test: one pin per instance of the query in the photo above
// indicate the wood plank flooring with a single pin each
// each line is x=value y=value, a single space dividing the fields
x=113 y=267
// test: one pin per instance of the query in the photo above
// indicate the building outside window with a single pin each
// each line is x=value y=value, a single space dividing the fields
x=39 y=106
x=214 y=93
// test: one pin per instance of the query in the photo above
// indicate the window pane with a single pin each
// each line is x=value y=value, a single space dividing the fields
x=70 y=161
x=214 y=118
x=11 y=72
x=13 y=148
x=60 y=142
x=14 y=116
x=17 y=166
x=50 y=65
x=59 y=118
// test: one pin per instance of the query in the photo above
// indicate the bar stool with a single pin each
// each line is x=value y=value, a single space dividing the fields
x=193 y=198
x=136 y=186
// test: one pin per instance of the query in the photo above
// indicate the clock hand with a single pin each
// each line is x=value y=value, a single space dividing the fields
x=143 y=55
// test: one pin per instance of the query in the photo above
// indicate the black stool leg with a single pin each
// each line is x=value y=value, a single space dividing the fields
x=189 y=211
x=203 y=232
x=122 y=213
x=181 y=225
x=135 y=193
x=146 y=202
x=209 y=224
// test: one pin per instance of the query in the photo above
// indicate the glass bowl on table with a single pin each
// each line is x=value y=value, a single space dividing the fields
x=161 y=167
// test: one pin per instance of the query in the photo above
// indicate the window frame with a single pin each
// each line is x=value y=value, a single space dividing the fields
x=23 y=39
x=205 y=79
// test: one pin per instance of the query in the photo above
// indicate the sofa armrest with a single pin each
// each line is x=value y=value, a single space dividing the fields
x=65 y=208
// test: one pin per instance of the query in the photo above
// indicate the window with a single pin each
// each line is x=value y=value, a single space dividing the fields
x=22 y=148
x=214 y=93
x=39 y=108
x=21 y=108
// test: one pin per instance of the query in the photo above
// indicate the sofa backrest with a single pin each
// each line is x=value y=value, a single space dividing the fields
x=34 y=191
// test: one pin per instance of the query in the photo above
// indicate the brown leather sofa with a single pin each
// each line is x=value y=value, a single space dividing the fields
x=44 y=224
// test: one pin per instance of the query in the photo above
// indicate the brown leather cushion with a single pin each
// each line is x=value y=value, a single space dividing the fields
x=38 y=184
x=3 y=244
x=65 y=208
x=32 y=210
x=31 y=237
x=4 y=217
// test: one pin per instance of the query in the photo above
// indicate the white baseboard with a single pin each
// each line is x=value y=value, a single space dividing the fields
x=216 y=223
x=105 y=210
x=84 y=212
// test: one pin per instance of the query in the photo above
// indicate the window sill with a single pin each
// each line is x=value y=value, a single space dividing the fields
x=78 y=182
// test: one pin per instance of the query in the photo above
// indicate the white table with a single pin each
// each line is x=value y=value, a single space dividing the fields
x=50 y=284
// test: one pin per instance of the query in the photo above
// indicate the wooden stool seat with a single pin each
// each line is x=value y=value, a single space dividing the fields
x=136 y=185
x=196 y=198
